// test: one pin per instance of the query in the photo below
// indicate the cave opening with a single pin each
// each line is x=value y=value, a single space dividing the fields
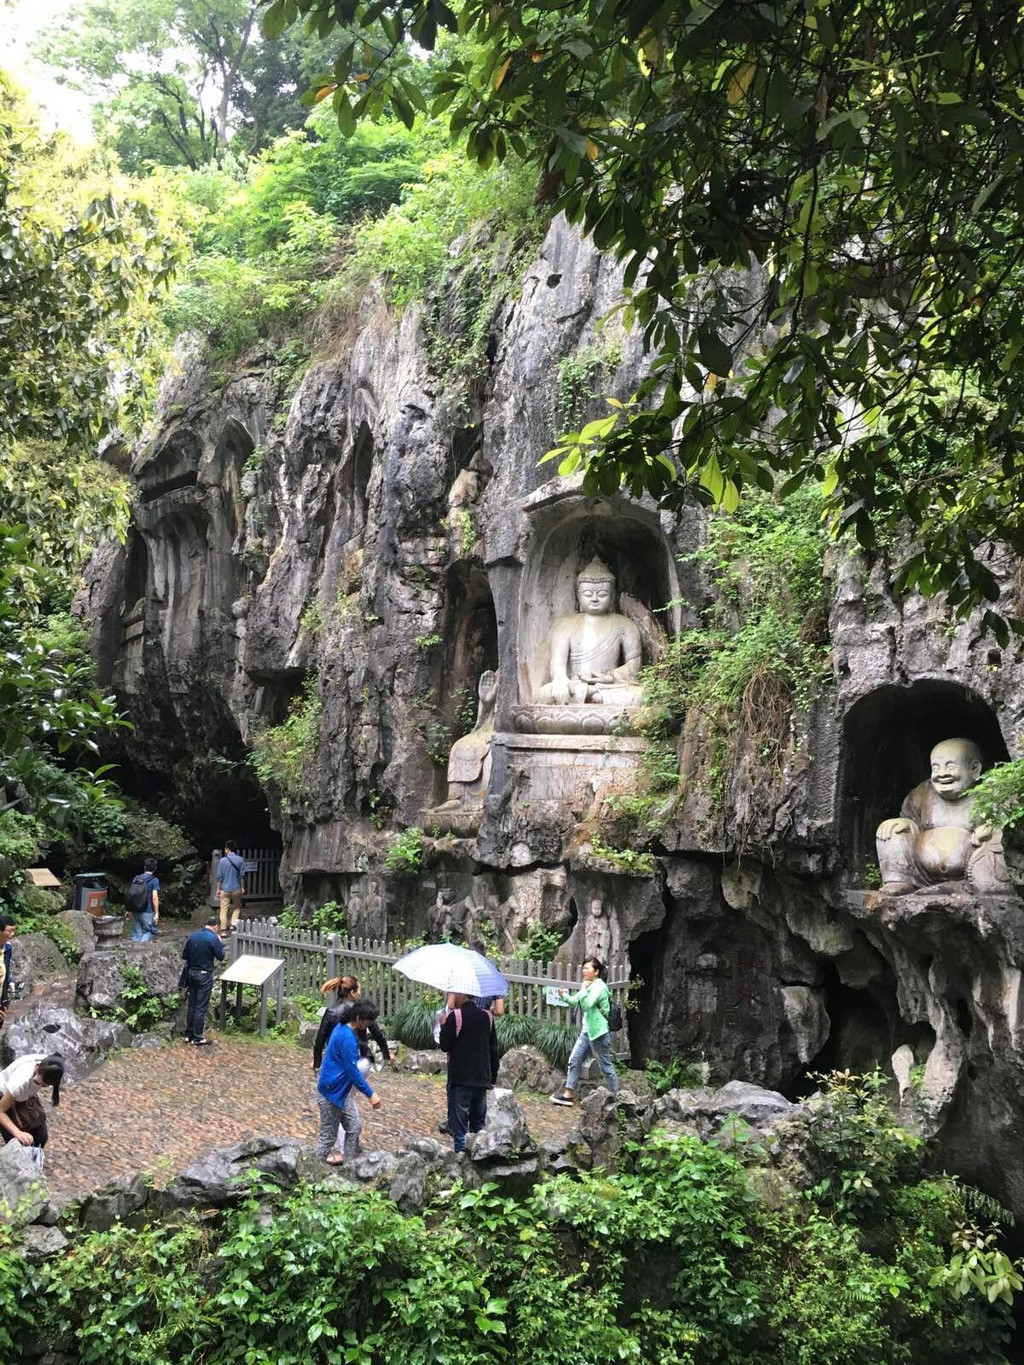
x=888 y=736
x=863 y=1035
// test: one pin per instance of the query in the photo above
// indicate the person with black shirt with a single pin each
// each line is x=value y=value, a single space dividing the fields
x=468 y=1037
x=201 y=952
x=348 y=989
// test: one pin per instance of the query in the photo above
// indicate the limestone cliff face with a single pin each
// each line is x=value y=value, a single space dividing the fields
x=388 y=530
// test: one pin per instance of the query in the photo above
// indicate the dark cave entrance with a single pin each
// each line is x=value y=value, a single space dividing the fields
x=888 y=736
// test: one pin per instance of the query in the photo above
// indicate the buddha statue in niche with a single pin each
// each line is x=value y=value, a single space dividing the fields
x=596 y=652
x=935 y=837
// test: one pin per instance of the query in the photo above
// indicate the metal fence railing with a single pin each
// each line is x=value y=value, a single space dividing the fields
x=312 y=957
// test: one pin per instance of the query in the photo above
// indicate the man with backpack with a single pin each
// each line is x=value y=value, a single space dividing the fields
x=144 y=902
x=230 y=885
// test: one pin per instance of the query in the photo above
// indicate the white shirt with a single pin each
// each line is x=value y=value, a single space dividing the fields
x=18 y=1079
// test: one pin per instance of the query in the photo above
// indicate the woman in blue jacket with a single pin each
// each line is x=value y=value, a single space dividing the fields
x=339 y=1077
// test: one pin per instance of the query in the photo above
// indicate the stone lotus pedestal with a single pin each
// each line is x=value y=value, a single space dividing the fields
x=552 y=766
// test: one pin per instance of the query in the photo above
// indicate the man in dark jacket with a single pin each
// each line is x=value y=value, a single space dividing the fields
x=201 y=951
x=7 y=932
x=468 y=1037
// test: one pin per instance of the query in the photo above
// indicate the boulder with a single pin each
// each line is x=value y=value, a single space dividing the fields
x=80 y=926
x=708 y=1109
x=114 y=1202
x=23 y=1193
x=609 y=1122
x=158 y=1037
x=504 y=1136
x=39 y=1243
x=526 y=1068
x=43 y=1027
x=35 y=958
x=214 y=1180
x=561 y=1154
x=409 y=1185
x=306 y=1036
x=429 y=1062
x=101 y=975
x=372 y=1166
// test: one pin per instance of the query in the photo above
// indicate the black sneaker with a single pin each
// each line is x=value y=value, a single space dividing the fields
x=565 y=1100
x=202 y=1042
x=443 y=1128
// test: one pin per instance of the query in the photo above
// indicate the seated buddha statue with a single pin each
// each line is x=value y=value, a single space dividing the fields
x=595 y=652
x=935 y=838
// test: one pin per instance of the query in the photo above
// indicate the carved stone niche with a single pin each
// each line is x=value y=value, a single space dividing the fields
x=911 y=755
x=575 y=720
x=469 y=685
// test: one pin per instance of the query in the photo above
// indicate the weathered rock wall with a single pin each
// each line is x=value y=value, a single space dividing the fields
x=389 y=529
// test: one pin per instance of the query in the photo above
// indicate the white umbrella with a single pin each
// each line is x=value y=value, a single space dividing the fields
x=449 y=967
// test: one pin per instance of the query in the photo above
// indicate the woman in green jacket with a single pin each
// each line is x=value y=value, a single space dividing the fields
x=594 y=1039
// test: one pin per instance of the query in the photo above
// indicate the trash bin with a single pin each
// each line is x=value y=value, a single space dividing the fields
x=91 y=892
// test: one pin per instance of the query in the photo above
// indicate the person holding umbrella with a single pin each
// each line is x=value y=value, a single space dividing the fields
x=467 y=1033
x=468 y=1037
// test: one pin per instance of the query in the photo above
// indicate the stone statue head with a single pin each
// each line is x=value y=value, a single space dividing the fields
x=595 y=588
x=956 y=766
x=487 y=687
x=446 y=894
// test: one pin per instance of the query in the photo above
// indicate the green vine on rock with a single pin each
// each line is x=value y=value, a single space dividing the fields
x=997 y=798
x=283 y=754
x=405 y=854
x=739 y=680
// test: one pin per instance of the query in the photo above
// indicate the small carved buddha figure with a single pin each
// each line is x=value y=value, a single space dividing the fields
x=935 y=837
x=469 y=762
x=595 y=652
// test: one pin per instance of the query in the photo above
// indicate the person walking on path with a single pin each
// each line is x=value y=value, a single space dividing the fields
x=339 y=1078
x=144 y=902
x=348 y=989
x=21 y=1111
x=8 y=929
x=230 y=885
x=467 y=1035
x=595 y=1039
x=201 y=952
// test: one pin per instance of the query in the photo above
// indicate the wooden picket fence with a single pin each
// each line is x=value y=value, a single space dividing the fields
x=312 y=957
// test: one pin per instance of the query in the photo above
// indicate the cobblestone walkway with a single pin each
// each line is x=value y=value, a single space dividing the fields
x=158 y=1109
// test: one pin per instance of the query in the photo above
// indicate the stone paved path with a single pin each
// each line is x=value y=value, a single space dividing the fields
x=158 y=1109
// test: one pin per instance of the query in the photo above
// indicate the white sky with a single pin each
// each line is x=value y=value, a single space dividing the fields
x=20 y=22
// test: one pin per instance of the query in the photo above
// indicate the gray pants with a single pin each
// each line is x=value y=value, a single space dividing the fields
x=602 y=1050
x=331 y=1117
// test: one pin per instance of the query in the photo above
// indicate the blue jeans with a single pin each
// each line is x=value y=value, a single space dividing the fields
x=142 y=926
x=601 y=1048
x=467 y=1112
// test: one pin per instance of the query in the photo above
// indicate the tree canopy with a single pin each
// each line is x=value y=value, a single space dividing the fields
x=83 y=257
x=815 y=202
x=178 y=81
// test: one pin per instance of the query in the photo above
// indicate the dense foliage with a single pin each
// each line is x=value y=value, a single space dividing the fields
x=288 y=246
x=83 y=256
x=179 y=82
x=860 y=157
x=675 y=1258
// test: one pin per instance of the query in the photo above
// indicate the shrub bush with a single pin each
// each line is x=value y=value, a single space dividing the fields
x=673 y=1260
